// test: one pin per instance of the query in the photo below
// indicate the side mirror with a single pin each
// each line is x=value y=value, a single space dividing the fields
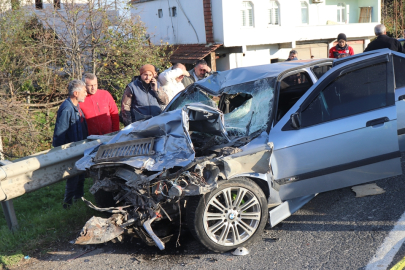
x=296 y=120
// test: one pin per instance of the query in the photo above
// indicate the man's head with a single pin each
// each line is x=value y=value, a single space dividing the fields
x=77 y=90
x=183 y=68
x=342 y=40
x=201 y=68
x=380 y=29
x=91 y=83
x=147 y=72
x=293 y=55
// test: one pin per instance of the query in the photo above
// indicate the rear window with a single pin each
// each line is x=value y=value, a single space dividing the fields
x=319 y=71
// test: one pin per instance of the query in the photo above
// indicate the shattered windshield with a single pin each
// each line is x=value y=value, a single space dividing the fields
x=246 y=106
x=196 y=95
x=253 y=114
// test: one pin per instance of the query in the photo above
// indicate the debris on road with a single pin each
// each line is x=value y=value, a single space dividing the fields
x=367 y=190
x=240 y=251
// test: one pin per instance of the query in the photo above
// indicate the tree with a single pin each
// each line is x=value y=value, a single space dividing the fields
x=43 y=50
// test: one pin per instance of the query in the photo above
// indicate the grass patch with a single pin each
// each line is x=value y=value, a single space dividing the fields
x=42 y=221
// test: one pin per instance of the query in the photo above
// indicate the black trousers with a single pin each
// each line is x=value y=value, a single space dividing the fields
x=74 y=188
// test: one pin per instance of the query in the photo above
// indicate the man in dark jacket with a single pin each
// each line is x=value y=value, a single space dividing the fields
x=293 y=55
x=200 y=71
x=383 y=41
x=142 y=97
x=70 y=127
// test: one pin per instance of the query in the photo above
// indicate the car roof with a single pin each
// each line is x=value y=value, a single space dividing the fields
x=220 y=80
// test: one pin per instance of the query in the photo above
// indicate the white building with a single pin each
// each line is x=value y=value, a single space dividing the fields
x=257 y=31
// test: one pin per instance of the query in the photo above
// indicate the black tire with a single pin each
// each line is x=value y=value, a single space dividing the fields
x=201 y=208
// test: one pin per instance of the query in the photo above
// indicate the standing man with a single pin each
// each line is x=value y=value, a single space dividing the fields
x=99 y=108
x=171 y=78
x=200 y=71
x=142 y=97
x=292 y=56
x=383 y=41
x=70 y=127
x=342 y=49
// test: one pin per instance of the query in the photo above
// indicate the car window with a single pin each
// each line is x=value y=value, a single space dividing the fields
x=351 y=93
x=292 y=88
x=399 y=62
x=319 y=71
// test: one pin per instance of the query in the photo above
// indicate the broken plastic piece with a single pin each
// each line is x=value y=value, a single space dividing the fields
x=367 y=190
x=240 y=251
x=148 y=229
x=98 y=230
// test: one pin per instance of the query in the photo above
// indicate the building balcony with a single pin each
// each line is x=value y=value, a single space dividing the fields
x=283 y=34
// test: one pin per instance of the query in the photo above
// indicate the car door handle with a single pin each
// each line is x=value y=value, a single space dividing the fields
x=377 y=121
x=401 y=97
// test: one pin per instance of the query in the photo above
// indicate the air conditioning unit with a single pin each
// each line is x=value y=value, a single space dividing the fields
x=317 y=1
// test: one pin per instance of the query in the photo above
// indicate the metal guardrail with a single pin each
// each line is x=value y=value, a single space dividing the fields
x=42 y=169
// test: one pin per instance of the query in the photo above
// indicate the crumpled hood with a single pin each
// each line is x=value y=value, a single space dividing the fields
x=172 y=142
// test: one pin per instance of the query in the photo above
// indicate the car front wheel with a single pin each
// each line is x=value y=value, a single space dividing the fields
x=231 y=216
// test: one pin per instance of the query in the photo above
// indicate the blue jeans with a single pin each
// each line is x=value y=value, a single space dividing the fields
x=74 y=188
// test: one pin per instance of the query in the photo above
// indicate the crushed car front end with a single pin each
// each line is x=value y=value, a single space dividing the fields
x=188 y=165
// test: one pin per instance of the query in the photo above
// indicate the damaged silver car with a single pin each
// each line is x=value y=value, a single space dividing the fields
x=242 y=141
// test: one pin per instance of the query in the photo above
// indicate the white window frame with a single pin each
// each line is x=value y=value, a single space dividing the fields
x=274 y=13
x=341 y=9
x=307 y=11
x=245 y=22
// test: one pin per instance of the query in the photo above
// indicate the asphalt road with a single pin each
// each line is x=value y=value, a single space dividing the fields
x=335 y=230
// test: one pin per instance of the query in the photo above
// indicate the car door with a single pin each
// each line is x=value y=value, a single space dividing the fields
x=345 y=132
x=399 y=62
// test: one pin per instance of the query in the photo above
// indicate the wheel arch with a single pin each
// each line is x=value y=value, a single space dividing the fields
x=259 y=179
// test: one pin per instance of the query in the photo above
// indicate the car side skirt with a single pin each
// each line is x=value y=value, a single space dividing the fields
x=341 y=179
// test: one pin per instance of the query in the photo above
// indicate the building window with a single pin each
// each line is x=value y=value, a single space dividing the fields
x=304 y=12
x=173 y=12
x=341 y=13
x=247 y=14
x=56 y=4
x=274 y=14
x=365 y=14
x=160 y=13
x=39 y=4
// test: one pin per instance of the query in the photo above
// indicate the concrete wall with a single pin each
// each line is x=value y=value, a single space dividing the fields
x=174 y=30
x=218 y=24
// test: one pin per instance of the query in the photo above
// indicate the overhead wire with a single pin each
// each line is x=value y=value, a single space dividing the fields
x=168 y=4
x=182 y=10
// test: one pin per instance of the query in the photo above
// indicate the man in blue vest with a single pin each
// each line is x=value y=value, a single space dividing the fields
x=71 y=127
x=142 y=97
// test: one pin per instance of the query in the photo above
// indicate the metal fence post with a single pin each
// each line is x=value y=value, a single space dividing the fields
x=8 y=207
x=9 y=213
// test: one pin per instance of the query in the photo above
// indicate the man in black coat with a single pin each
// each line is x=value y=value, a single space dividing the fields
x=383 y=41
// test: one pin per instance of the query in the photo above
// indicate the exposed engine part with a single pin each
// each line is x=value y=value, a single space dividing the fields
x=105 y=184
x=175 y=191
x=109 y=209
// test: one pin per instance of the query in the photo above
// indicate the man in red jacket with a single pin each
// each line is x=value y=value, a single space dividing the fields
x=99 y=108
